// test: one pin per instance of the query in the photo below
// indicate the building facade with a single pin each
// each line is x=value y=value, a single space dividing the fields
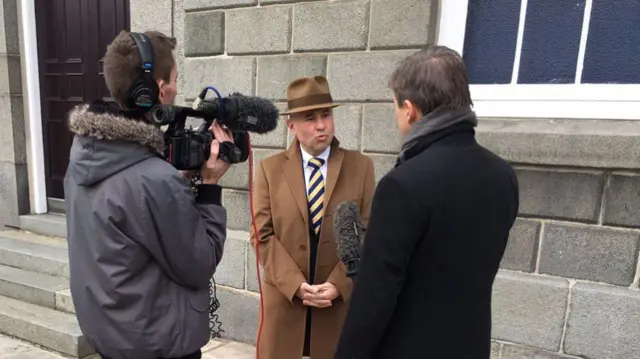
x=556 y=88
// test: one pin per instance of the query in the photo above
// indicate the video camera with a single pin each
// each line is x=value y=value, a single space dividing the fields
x=188 y=149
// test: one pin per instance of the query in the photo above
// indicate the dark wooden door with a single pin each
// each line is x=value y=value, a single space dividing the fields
x=72 y=38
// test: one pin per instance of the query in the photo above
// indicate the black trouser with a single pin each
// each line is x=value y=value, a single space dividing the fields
x=196 y=355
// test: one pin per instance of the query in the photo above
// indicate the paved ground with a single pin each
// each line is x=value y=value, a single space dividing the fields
x=11 y=348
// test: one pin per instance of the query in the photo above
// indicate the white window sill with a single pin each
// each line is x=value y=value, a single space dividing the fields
x=605 y=110
x=621 y=102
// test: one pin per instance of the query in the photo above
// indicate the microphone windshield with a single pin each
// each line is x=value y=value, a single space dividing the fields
x=260 y=114
x=240 y=112
x=349 y=232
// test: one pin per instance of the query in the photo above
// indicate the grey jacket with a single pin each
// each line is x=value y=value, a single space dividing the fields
x=142 y=247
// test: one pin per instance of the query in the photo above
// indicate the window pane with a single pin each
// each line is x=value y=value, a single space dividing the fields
x=551 y=42
x=490 y=40
x=613 y=44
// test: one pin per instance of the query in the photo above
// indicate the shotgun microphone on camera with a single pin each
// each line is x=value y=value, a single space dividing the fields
x=237 y=112
x=188 y=149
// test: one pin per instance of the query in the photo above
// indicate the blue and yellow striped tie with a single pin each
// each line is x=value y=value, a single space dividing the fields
x=316 y=194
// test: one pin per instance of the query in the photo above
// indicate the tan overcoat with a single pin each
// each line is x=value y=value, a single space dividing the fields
x=281 y=214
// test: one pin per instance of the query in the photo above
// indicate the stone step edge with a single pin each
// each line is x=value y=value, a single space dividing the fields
x=32 y=287
x=52 y=225
x=55 y=225
x=42 y=326
x=33 y=256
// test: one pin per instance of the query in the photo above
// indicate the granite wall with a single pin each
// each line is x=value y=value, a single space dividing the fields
x=14 y=186
x=568 y=287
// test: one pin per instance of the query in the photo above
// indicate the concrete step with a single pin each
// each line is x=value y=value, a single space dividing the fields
x=32 y=287
x=64 y=303
x=50 y=224
x=46 y=327
x=32 y=237
x=33 y=255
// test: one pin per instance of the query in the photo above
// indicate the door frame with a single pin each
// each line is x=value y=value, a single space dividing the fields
x=40 y=202
x=35 y=150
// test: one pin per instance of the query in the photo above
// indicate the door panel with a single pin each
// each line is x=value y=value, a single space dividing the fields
x=72 y=38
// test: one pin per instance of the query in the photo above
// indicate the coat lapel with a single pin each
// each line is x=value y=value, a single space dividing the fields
x=333 y=170
x=293 y=171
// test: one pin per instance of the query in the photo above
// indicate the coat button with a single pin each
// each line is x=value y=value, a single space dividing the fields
x=303 y=247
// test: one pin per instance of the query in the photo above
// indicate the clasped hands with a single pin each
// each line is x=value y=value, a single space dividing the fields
x=319 y=296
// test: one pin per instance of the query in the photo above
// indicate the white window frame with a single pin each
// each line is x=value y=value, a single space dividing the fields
x=575 y=101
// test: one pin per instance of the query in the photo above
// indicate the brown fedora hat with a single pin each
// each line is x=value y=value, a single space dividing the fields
x=308 y=93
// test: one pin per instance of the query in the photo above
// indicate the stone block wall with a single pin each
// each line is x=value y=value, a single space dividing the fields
x=14 y=184
x=257 y=49
x=568 y=287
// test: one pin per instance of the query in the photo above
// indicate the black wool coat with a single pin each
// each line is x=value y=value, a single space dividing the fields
x=438 y=230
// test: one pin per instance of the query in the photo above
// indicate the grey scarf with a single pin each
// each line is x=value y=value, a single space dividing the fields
x=434 y=121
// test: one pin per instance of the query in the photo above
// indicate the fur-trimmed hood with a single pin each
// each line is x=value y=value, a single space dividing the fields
x=108 y=142
x=99 y=121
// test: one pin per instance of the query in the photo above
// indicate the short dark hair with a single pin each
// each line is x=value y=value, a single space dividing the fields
x=433 y=77
x=122 y=63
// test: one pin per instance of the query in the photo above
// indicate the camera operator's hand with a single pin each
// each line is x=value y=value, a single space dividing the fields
x=188 y=174
x=215 y=168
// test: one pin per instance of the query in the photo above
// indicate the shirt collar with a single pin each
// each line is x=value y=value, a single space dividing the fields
x=306 y=156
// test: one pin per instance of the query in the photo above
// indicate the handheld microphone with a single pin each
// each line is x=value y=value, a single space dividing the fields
x=349 y=236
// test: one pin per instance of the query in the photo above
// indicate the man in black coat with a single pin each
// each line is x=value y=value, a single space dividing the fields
x=438 y=229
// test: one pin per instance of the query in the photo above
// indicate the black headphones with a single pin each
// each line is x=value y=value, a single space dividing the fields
x=143 y=93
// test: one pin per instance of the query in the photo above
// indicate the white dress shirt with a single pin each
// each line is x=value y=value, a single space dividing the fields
x=308 y=169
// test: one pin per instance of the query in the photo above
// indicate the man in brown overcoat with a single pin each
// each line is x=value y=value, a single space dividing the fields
x=305 y=291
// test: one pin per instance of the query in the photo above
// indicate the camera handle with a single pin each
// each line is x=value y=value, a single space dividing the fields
x=229 y=152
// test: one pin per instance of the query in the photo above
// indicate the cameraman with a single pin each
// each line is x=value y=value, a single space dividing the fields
x=142 y=246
